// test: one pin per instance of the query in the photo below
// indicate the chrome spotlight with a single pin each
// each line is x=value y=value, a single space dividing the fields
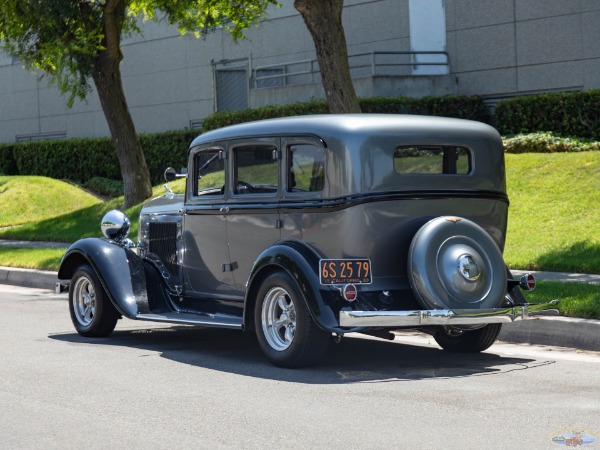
x=115 y=226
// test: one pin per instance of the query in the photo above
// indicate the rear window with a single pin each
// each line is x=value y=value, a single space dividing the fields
x=432 y=160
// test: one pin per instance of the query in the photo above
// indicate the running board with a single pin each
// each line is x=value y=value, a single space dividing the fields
x=207 y=320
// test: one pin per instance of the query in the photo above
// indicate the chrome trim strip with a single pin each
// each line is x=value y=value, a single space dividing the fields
x=417 y=318
x=207 y=320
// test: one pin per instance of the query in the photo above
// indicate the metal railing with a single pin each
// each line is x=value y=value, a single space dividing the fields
x=361 y=64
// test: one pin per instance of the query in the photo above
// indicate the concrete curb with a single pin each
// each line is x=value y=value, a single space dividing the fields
x=580 y=334
x=40 y=279
x=569 y=332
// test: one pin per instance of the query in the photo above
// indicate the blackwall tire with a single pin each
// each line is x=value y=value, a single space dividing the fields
x=92 y=312
x=285 y=330
x=458 y=341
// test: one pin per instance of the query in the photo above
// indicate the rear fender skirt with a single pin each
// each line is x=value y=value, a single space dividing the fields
x=302 y=264
x=120 y=270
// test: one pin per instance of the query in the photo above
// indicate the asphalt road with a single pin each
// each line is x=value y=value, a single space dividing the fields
x=155 y=386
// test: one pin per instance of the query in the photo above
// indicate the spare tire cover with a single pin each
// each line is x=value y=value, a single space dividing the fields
x=454 y=264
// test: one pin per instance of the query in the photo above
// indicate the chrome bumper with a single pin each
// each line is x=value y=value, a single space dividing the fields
x=420 y=318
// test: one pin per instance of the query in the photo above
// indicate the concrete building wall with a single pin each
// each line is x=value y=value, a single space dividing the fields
x=503 y=48
x=168 y=79
x=496 y=48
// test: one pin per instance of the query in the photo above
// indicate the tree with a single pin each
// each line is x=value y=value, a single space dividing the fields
x=323 y=18
x=73 y=41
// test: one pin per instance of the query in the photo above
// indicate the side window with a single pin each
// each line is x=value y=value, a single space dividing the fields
x=432 y=160
x=306 y=171
x=209 y=172
x=256 y=169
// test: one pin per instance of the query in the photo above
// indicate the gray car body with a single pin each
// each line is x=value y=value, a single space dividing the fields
x=218 y=249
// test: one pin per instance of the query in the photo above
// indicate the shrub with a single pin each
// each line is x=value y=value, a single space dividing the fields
x=8 y=165
x=564 y=113
x=80 y=160
x=105 y=186
x=547 y=143
x=465 y=107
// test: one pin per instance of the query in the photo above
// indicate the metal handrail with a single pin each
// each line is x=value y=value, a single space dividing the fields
x=373 y=64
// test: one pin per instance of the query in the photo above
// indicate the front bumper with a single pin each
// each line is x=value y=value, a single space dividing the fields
x=445 y=317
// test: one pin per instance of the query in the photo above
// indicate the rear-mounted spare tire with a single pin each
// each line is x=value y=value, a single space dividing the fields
x=454 y=264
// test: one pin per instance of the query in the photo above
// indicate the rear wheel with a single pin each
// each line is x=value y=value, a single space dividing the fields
x=468 y=341
x=286 y=332
x=92 y=313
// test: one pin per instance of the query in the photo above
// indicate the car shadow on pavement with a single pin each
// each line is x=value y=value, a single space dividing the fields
x=353 y=360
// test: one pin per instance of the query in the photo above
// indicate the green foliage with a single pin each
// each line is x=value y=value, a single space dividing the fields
x=65 y=38
x=104 y=186
x=564 y=113
x=547 y=143
x=225 y=118
x=8 y=165
x=80 y=160
x=168 y=149
x=461 y=106
x=466 y=107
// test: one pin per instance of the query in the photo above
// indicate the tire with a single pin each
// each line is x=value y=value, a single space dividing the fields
x=457 y=341
x=92 y=312
x=286 y=332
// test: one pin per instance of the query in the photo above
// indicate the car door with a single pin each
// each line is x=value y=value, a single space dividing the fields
x=206 y=255
x=253 y=222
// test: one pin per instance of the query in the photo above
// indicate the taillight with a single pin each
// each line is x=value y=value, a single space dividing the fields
x=527 y=282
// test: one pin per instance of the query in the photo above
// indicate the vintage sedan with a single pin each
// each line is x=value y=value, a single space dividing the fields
x=304 y=229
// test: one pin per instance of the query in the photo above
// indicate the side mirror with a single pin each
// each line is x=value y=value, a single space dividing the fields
x=170 y=174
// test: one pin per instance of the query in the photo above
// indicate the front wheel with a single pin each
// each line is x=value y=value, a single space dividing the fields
x=286 y=332
x=473 y=341
x=92 y=312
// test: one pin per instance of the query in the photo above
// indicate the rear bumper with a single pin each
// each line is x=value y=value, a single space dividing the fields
x=418 y=318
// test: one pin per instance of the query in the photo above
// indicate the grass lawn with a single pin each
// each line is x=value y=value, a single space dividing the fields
x=554 y=214
x=31 y=258
x=70 y=224
x=576 y=299
x=35 y=199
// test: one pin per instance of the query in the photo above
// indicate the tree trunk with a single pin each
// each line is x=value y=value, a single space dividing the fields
x=107 y=79
x=323 y=18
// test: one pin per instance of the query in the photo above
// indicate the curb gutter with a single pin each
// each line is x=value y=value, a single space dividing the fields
x=568 y=332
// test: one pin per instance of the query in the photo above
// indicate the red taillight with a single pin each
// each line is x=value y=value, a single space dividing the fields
x=527 y=282
x=349 y=292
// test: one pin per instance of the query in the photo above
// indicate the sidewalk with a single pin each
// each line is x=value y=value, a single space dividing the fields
x=581 y=334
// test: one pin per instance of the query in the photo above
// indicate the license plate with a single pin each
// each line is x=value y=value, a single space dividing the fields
x=345 y=271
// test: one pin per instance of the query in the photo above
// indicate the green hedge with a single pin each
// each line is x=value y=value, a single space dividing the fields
x=564 y=113
x=547 y=143
x=465 y=107
x=80 y=160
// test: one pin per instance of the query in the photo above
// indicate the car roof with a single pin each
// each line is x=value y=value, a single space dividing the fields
x=345 y=125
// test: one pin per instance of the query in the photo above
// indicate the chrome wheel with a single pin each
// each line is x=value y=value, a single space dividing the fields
x=278 y=318
x=84 y=301
x=92 y=312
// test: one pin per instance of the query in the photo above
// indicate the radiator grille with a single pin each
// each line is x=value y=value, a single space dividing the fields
x=163 y=243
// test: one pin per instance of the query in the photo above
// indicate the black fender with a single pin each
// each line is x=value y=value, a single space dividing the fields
x=120 y=270
x=302 y=264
